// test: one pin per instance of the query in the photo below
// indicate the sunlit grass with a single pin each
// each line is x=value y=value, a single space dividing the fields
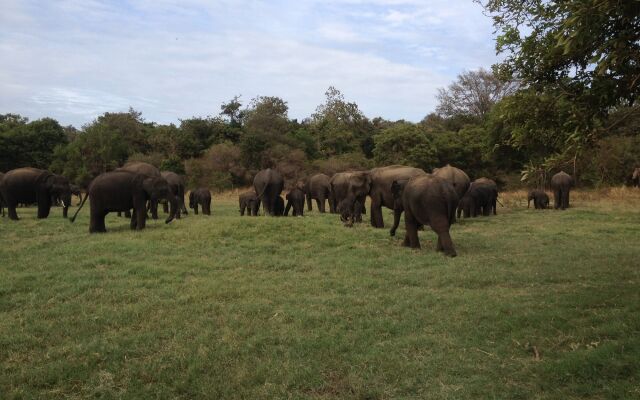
x=538 y=304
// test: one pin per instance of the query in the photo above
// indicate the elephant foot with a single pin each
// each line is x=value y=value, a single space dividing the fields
x=392 y=232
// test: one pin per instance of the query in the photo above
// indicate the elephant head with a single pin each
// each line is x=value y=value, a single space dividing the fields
x=157 y=188
x=359 y=187
x=397 y=187
x=59 y=189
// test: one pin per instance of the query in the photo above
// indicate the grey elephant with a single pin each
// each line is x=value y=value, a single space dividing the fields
x=33 y=185
x=318 y=188
x=268 y=185
x=295 y=200
x=635 y=177
x=540 y=199
x=202 y=197
x=250 y=202
x=491 y=183
x=426 y=200
x=147 y=169
x=480 y=199
x=122 y=191
x=456 y=177
x=561 y=183
x=376 y=184
x=177 y=186
x=339 y=190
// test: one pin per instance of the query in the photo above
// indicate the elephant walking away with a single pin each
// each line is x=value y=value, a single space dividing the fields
x=426 y=200
x=176 y=184
x=123 y=191
x=480 y=199
x=561 y=183
x=540 y=199
x=268 y=185
x=376 y=184
x=492 y=184
x=318 y=188
x=250 y=202
x=147 y=169
x=32 y=185
x=457 y=177
x=295 y=199
x=202 y=197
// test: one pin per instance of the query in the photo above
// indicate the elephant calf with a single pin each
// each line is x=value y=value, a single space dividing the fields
x=250 y=202
x=426 y=200
x=540 y=199
x=295 y=199
x=201 y=197
x=481 y=198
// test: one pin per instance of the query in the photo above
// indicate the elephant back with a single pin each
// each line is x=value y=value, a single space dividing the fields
x=561 y=179
x=456 y=177
x=140 y=167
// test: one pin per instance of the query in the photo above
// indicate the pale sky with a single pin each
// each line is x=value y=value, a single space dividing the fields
x=76 y=59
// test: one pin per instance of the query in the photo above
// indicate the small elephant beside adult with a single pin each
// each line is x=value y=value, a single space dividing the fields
x=295 y=200
x=201 y=197
x=250 y=202
x=32 y=185
x=376 y=184
x=268 y=185
x=318 y=188
x=426 y=200
x=561 y=183
x=177 y=186
x=123 y=190
x=540 y=199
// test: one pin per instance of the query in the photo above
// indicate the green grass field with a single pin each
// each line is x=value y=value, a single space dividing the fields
x=538 y=304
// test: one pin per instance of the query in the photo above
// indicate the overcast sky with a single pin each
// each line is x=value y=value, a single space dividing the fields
x=74 y=60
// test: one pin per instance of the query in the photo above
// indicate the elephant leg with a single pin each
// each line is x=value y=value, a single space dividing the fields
x=153 y=205
x=494 y=205
x=308 y=198
x=288 y=208
x=332 y=204
x=445 y=244
x=320 y=202
x=556 y=199
x=141 y=219
x=376 y=213
x=96 y=222
x=206 y=208
x=242 y=208
x=11 y=210
x=565 y=202
x=165 y=208
x=396 y=221
x=195 y=208
x=127 y=214
x=134 y=220
x=65 y=211
x=411 y=227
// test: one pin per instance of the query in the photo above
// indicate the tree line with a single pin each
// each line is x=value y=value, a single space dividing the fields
x=563 y=98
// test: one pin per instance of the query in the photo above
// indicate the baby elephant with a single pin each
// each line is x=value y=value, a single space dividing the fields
x=201 y=197
x=295 y=199
x=250 y=202
x=540 y=199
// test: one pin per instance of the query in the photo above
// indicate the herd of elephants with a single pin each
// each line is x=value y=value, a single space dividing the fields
x=435 y=199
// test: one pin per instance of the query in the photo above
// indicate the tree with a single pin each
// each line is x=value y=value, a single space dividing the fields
x=406 y=144
x=340 y=127
x=30 y=144
x=589 y=50
x=473 y=94
x=232 y=111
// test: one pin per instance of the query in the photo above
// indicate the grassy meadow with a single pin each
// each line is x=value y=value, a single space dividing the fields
x=537 y=305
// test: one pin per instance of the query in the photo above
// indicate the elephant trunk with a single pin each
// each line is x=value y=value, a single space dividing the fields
x=173 y=209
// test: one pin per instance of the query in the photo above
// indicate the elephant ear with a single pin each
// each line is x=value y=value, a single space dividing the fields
x=361 y=183
x=148 y=185
x=397 y=187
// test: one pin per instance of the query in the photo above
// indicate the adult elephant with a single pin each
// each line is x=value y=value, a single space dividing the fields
x=426 y=200
x=339 y=190
x=479 y=199
x=176 y=184
x=456 y=177
x=268 y=185
x=635 y=177
x=202 y=197
x=376 y=184
x=540 y=199
x=32 y=185
x=295 y=200
x=146 y=169
x=318 y=188
x=122 y=191
x=250 y=202
x=561 y=183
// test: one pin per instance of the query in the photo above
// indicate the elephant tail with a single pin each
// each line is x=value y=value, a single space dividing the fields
x=79 y=208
